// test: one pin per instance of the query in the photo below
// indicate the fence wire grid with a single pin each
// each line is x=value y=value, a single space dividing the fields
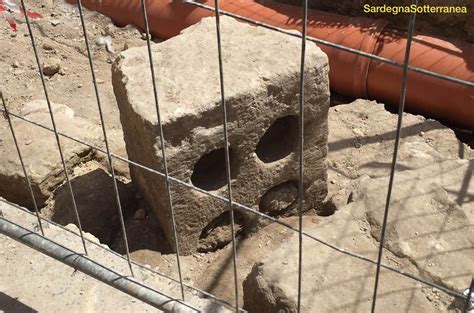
x=129 y=284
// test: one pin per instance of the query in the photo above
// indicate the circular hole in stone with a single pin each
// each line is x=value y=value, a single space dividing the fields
x=279 y=140
x=279 y=199
x=210 y=171
x=217 y=234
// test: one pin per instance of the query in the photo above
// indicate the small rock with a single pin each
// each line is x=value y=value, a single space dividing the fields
x=108 y=30
x=16 y=64
x=48 y=47
x=72 y=227
x=55 y=22
x=140 y=214
x=51 y=67
x=105 y=41
x=91 y=237
x=358 y=132
x=62 y=72
x=17 y=72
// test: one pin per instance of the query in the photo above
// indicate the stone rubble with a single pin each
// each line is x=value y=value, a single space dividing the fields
x=40 y=151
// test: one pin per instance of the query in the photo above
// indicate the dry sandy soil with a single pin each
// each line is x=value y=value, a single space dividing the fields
x=59 y=40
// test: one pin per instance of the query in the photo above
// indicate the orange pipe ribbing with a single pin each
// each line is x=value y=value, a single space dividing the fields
x=350 y=74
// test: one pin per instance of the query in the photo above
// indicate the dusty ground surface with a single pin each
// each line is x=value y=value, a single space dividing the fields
x=355 y=144
x=63 y=43
x=59 y=41
x=42 y=284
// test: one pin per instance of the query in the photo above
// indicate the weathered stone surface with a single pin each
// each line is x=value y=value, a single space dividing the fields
x=430 y=234
x=261 y=84
x=430 y=219
x=361 y=139
x=332 y=281
x=40 y=151
x=117 y=147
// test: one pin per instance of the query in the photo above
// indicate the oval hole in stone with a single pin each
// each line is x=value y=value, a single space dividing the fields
x=279 y=140
x=217 y=234
x=278 y=199
x=209 y=171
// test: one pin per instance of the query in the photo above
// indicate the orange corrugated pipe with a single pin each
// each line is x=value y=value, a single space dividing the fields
x=350 y=74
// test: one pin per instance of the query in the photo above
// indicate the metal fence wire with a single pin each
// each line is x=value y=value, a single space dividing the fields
x=146 y=293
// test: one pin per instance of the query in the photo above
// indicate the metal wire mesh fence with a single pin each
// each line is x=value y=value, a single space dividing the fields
x=146 y=293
